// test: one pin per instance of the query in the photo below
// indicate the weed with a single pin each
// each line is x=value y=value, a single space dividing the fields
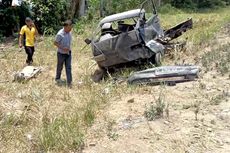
x=196 y=110
x=12 y=127
x=89 y=116
x=216 y=100
x=112 y=135
x=61 y=133
x=217 y=59
x=9 y=120
x=202 y=85
x=155 y=111
x=1 y=38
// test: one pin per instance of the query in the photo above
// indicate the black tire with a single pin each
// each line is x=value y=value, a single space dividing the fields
x=98 y=75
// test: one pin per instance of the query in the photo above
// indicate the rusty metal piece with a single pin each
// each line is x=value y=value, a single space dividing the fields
x=178 y=30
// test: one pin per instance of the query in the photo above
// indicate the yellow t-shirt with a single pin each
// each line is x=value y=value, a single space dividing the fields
x=30 y=35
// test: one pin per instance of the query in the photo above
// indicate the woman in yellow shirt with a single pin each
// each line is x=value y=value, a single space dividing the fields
x=29 y=32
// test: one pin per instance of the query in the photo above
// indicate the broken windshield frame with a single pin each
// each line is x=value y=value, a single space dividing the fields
x=150 y=9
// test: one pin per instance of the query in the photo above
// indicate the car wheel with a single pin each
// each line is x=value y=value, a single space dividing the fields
x=98 y=75
x=158 y=59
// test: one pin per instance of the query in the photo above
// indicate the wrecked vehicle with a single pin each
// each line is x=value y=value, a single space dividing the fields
x=133 y=36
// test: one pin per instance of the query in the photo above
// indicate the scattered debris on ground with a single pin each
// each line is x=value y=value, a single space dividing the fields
x=27 y=73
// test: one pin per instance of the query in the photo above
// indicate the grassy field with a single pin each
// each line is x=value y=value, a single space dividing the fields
x=205 y=24
x=39 y=116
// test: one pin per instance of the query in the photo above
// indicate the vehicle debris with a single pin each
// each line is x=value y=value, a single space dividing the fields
x=169 y=75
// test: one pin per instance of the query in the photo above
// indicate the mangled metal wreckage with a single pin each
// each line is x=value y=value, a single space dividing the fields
x=169 y=75
x=132 y=37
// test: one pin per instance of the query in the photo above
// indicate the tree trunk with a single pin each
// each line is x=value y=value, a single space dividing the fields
x=82 y=8
x=102 y=6
x=159 y=3
x=77 y=8
x=73 y=9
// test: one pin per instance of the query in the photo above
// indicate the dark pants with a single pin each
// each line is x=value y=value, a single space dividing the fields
x=30 y=52
x=61 y=59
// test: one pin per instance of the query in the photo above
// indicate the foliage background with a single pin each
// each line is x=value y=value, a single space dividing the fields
x=12 y=17
x=50 y=14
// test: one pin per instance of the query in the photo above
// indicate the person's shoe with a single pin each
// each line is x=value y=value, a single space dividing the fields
x=58 y=81
x=69 y=85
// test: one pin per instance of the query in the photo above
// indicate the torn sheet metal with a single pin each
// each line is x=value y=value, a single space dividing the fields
x=165 y=74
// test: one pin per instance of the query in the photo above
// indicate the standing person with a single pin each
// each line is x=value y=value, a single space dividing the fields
x=29 y=32
x=63 y=43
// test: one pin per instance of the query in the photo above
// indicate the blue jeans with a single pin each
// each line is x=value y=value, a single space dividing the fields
x=61 y=59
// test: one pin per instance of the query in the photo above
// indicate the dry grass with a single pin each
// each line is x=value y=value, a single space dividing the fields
x=218 y=59
x=39 y=116
x=156 y=111
x=205 y=24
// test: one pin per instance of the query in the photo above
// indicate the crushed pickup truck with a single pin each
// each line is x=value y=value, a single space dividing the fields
x=133 y=36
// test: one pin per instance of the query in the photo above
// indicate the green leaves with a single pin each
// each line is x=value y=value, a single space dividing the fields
x=12 y=17
x=49 y=14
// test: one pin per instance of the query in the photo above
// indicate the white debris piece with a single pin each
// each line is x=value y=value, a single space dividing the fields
x=27 y=72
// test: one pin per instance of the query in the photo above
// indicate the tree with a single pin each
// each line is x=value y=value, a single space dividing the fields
x=189 y=4
x=12 y=18
x=82 y=8
x=77 y=8
x=210 y=3
x=49 y=14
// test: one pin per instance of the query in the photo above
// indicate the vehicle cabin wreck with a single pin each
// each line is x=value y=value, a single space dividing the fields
x=132 y=37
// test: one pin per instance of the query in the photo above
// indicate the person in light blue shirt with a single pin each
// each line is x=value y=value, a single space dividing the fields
x=63 y=43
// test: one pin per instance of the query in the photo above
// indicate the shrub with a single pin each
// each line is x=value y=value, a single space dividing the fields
x=155 y=111
x=210 y=3
x=186 y=4
x=12 y=18
x=169 y=9
x=49 y=14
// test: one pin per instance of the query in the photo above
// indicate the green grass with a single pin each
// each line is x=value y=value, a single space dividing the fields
x=62 y=133
x=156 y=110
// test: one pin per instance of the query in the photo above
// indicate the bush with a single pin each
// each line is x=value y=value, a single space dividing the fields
x=169 y=9
x=193 y=4
x=185 y=4
x=1 y=37
x=116 y=6
x=12 y=18
x=210 y=3
x=49 y=14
